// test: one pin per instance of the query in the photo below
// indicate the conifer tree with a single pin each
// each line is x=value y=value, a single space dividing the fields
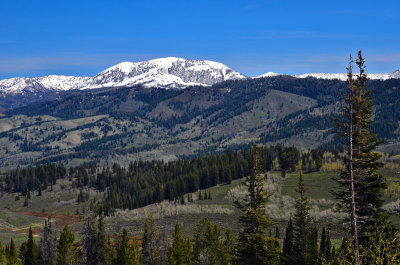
x=30 y=257
x=360 y=194
x=109 y=252
x=328 y=246
x=12 y=254
x=180 y=252
x=253 y=243
x=127 y=252
x=313 y=246
x=150 y=244
x=287 y=256
x=230 y=242
x=209 y=248
x=302 y=226
x=66 y=250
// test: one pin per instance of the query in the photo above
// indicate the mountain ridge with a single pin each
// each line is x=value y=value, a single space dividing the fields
x=169 y=72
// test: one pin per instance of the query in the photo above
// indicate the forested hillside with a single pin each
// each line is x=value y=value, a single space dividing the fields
x=123 y=124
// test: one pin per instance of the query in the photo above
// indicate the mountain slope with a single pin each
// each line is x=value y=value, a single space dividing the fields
x=128 y=123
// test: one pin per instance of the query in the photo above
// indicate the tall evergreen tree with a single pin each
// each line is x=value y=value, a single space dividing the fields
x=313 y=247
x=30 y=257
x=127 y=252
x=12 y=254
x=287 y=257
x=253 y=243
x=180 y=252
x=66 y=252
x=360 y=194
x=328 y=246
x=302 y=226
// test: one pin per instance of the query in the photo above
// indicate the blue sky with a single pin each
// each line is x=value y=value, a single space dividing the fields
x=85 y=37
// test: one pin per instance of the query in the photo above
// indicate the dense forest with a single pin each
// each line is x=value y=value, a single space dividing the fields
x=147 y=182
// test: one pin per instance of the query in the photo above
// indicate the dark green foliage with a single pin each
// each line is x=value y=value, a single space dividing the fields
x=254 y=246
x=288 y=255
x=360 y=192
x=35 y=178
x=302 y=229
x=180 y=251
x=127 y=251
x=30 y=257
x=66 y=252
x=230 y=242
x=209 y=247
x=11 y=254
x=313 y=247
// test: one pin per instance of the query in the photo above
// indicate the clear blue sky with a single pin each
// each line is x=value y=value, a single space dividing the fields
x=84 y=37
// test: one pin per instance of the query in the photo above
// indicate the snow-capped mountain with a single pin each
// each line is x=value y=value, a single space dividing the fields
x=168 y=72
x=42 y=84
x=339 y=76
x=269 y=74
x=343 y=76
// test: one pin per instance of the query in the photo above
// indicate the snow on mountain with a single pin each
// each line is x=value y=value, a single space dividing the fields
x=395 y=74
x=343 y=76
x=167 y=72
x=269 y=74
x=41 y=84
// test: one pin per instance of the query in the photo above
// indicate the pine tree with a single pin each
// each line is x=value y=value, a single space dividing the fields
x=180 y=252
x=230 y=242
x=302 y=226
x=30 y=257
x=328 y=246
x=12 y=254
x=47 y=244
x=287 y=256
x=66 y=250
x=127 y=252
x=313 y=246
x=109 y=252
x=253 y=243
x=150 y=244
x=361 y=186
x=209 y=248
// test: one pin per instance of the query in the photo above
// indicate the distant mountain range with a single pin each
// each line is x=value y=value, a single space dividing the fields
x=168 y=73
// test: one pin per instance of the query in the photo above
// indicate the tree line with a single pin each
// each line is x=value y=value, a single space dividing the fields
x=146 y=182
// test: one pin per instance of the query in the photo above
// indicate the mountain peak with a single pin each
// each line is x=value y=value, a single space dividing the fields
x=168 y=72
